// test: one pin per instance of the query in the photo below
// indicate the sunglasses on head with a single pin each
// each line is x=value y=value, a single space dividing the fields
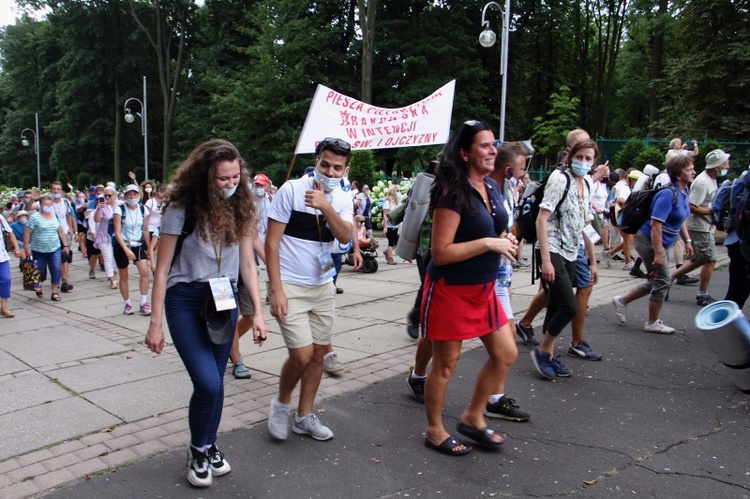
x=341 y=144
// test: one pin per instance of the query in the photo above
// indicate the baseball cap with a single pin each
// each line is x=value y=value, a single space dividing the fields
x=261 y=179
x=92 y=187
x=716 y=158
x=132 y=187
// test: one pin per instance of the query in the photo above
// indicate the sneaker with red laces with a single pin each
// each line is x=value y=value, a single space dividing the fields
x=128 y=310
x=145 y=309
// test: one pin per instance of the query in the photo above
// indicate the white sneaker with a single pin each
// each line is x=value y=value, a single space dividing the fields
x=658 y=327
x=607 y=259
x=311 y=425
x=278 y=420
x=217 y=461
x=198 y=469
x=619 y=308
x=628 y=266
x=332 y=365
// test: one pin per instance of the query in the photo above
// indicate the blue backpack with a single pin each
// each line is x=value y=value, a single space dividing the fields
x=721 y=206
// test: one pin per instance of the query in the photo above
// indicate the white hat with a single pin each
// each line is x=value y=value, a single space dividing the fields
x=132 y=187
x=716 y=158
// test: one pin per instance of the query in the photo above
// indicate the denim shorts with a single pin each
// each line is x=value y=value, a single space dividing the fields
x=583 y=270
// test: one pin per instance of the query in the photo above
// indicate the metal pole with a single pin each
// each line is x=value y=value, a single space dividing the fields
x=145 y=130
x=504 y=68
x=36 y=146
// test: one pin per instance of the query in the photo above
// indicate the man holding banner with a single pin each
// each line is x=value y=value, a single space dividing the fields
x=306 y=215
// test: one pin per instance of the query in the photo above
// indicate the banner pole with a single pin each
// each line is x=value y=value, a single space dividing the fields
x=291 y=165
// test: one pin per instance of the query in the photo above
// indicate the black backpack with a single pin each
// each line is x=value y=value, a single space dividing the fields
x=530 y=201
x=637 y=209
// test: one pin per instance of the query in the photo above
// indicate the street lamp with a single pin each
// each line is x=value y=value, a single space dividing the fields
x=25 y=142
x=487 y=39
x=129 y=118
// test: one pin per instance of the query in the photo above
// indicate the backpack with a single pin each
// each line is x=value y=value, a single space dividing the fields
x=740 y=213
x=530 y=201
x=637 y=209
x=721 y=205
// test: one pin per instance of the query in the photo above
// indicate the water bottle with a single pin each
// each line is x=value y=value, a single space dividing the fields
x=504 y=273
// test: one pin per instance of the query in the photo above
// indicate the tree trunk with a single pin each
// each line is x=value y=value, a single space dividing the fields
x=118 y=125
x=367 y=25
x=657 y=57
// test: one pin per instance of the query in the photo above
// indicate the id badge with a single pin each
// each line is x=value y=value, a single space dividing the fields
x=221 y=288
x=327 y=268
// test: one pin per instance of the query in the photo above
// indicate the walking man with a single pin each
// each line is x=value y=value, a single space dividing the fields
x=699 y=224
x=306 y=215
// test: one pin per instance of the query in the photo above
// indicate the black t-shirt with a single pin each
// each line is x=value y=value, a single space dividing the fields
x=481 y=268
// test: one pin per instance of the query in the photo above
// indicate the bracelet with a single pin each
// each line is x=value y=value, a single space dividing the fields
x=688 y=240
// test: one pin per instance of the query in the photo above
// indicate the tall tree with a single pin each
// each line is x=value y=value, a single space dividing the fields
x=657 y=62
x=367 y=12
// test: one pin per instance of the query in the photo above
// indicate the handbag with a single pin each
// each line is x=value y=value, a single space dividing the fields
x=31 y=275
x=219 y=324
x=396 y=215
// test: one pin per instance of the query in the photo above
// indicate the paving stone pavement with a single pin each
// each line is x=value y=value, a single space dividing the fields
x=80 y=394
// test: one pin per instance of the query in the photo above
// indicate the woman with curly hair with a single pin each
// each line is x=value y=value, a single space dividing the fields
x=207 y=231
x=459 y=301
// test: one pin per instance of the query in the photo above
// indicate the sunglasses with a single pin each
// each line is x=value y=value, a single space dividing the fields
x=108 y=195
x=341 y=144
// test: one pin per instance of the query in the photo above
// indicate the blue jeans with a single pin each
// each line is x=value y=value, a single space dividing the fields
x=5 y=279
x=53 y=260
x=337 y=264
x=204 y=361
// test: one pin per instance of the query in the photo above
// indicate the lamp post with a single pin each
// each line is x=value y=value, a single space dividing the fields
x=487 y=39
x=144 y=125
x=25 y=143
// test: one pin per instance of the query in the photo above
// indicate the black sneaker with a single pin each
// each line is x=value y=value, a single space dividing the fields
x=101 y=267
x=704 y=300
x=618 y=258
x=412 y=323
x=65 y=287
x=506 y=408
x=527 y=334
x=636 y=272
x=416 y=386
x=219 y=465
x=198 y=473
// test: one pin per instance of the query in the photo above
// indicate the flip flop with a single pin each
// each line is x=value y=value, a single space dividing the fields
x=448 y=446
x=483 y=438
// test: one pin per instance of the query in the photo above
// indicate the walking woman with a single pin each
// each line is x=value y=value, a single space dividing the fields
x=653 y=242
x=559 y=231
x=131 y=232
x=5 y=278
x=105 y=209
x=42 y=240
x=459 y=301
x=390 y=230
x=210 y=201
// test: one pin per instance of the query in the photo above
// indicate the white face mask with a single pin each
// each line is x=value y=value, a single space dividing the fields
x=149 y=190
x=329 y=183
x=228 y=193
x=23 y=221
x=132 y=201
x=260 y=192
x=56 y=195
x=46 y=209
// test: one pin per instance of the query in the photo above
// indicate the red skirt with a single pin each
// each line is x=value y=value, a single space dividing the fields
x=459 y=312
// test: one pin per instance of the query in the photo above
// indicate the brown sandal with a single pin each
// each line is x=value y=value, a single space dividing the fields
x=55 y=297
x=7 y=313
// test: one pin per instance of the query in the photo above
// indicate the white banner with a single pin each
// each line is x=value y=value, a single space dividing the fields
x=364 y=126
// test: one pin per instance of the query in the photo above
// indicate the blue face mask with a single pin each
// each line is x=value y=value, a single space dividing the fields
x=723 y=172
x=228 y=193
x=580 y=168
x=329 y=183
x=260 y=192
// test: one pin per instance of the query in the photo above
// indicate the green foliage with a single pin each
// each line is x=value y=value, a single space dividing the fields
x=83 y=181
x=64 y=179
x=705 y=148
x=649 y=156
x=626 y=156
x=550 y=131
x=362 y=167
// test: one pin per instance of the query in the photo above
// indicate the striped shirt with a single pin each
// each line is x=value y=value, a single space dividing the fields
x=44 y=236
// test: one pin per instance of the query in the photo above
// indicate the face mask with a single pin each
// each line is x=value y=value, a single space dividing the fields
x=132 y=201
x=148 y=190
x=260 y=192
x=56 y=196
x=23 y=221
x=228 y=193
x=329 y=183
x=580 y=168
x=723 y=172
x=46 y=209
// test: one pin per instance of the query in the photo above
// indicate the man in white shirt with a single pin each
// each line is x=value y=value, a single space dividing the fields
x=62 y=209
x=305 y=218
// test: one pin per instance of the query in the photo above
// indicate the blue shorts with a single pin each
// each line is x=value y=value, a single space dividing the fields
x=583 y=270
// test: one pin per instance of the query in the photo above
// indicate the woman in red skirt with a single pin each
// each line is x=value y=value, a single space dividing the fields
x=459 y=301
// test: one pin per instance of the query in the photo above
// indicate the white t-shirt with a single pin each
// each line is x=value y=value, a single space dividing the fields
x=62 y=210
x=4 y=227
x=387 y=205
x=305 y=234
x=154 y=213
x=599 y=195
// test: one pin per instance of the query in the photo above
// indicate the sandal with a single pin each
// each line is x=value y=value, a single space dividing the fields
x=39 y=293
x=391 y=261
x=449 y=446
x=113 y=285
x=7 y=313
x=55 y=297
x=484 y=438
x=240 y=371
